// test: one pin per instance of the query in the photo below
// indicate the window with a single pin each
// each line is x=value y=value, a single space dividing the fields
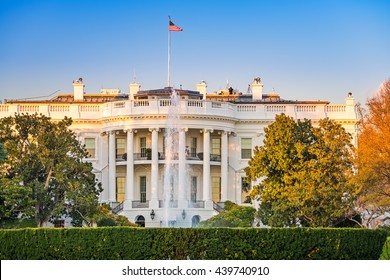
x=120 y=189
x=142 y=188
x=245 y=191
x=120 y=147
x=195 y=221
x=216 y=188
x=246 y=148
x=216 y=146
x=140 y=220
x=142 y=144
x=194 y=143
x=193 y=188
x=171 y=187
x=59 y=223
x=90 y=146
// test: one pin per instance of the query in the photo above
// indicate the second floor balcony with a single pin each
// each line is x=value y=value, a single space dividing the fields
x=161 y=156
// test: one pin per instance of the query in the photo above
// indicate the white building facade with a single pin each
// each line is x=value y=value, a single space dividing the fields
x=125 y=135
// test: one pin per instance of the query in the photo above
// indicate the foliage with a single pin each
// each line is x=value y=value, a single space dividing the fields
x=148 y=153
x=15 y=199
x=104 y=217
x=233 y=216
x=200 y=243
x=374 y=159
x=346 y=221
x=18 y=223
x=43 y=175
x=303 y=173
x=2 y=152
x=385 y=227
x=386 y=250
x=106 y=222
x=122 y=221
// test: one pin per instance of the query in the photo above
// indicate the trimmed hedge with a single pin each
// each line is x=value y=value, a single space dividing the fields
x=114 y=243
x=386 y=250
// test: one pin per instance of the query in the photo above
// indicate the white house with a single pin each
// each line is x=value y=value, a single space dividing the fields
x=175 y=161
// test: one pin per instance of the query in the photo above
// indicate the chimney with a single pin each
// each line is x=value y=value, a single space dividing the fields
x=350 y=102
x=134 y=88
x=257 y=89
x=78 y=90
x=202 y=88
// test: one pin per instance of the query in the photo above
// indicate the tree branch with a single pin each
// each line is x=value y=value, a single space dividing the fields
x=48 y=178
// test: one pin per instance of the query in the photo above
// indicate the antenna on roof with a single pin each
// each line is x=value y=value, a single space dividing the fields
x=249 y=90
x=37 y=97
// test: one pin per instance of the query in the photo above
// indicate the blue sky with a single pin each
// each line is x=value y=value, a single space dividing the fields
x=305 y=50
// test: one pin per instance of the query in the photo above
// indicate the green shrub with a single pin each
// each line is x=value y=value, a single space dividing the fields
x=106 y=222
x=386 y=228
x=105 y=218
x=116 y=243
x=123 y=221
x=386 y=250
x=18 y=223
x=234 y=216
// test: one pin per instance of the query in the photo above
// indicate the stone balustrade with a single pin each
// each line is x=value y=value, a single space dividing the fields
x=207 y=108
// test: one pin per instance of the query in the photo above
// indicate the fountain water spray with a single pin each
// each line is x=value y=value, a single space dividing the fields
x=174 y=189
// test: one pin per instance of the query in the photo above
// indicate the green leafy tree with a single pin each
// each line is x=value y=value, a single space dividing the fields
x=233 y=216
x=303 y=173
x=14 y=197
x=43 y=175
x=2 y=152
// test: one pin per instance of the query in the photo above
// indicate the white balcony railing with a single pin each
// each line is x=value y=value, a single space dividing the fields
x=186 y=107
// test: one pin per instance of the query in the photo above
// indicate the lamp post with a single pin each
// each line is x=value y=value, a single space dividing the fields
x=183 y=214
x=152 y=214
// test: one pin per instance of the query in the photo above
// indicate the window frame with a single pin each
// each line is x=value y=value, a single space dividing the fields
x=120 y=189
x=216 y=146
x=194 y=188
x=194 y=144
x=93 y=140
x=142 y=189
x=246 y=152
x=120 y=142
x=142 y=146
x=214 y=188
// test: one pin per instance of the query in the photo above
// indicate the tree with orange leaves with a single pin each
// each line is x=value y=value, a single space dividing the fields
x=373 y=160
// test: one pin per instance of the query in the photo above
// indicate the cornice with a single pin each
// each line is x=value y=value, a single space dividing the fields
x=89 y=121
x=106 y=120
x=255 y=121
x=162 y=117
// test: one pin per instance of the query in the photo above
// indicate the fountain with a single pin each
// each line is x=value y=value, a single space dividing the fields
x=175 y=172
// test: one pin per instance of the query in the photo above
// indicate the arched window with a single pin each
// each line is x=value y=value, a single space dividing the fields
x=140 y=220
x=195 y=220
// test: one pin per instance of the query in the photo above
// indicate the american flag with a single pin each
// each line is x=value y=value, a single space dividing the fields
x=173 y=27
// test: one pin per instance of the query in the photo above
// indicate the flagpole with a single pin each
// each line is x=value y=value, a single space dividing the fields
x=169 y=53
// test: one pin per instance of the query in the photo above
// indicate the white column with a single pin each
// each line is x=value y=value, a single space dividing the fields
x=182 y=184
x=206 y=169
x=224 y=165
x=111 y=168
x=238 y=188
x=103 y=164
x=154 y=170
x=129 y=193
